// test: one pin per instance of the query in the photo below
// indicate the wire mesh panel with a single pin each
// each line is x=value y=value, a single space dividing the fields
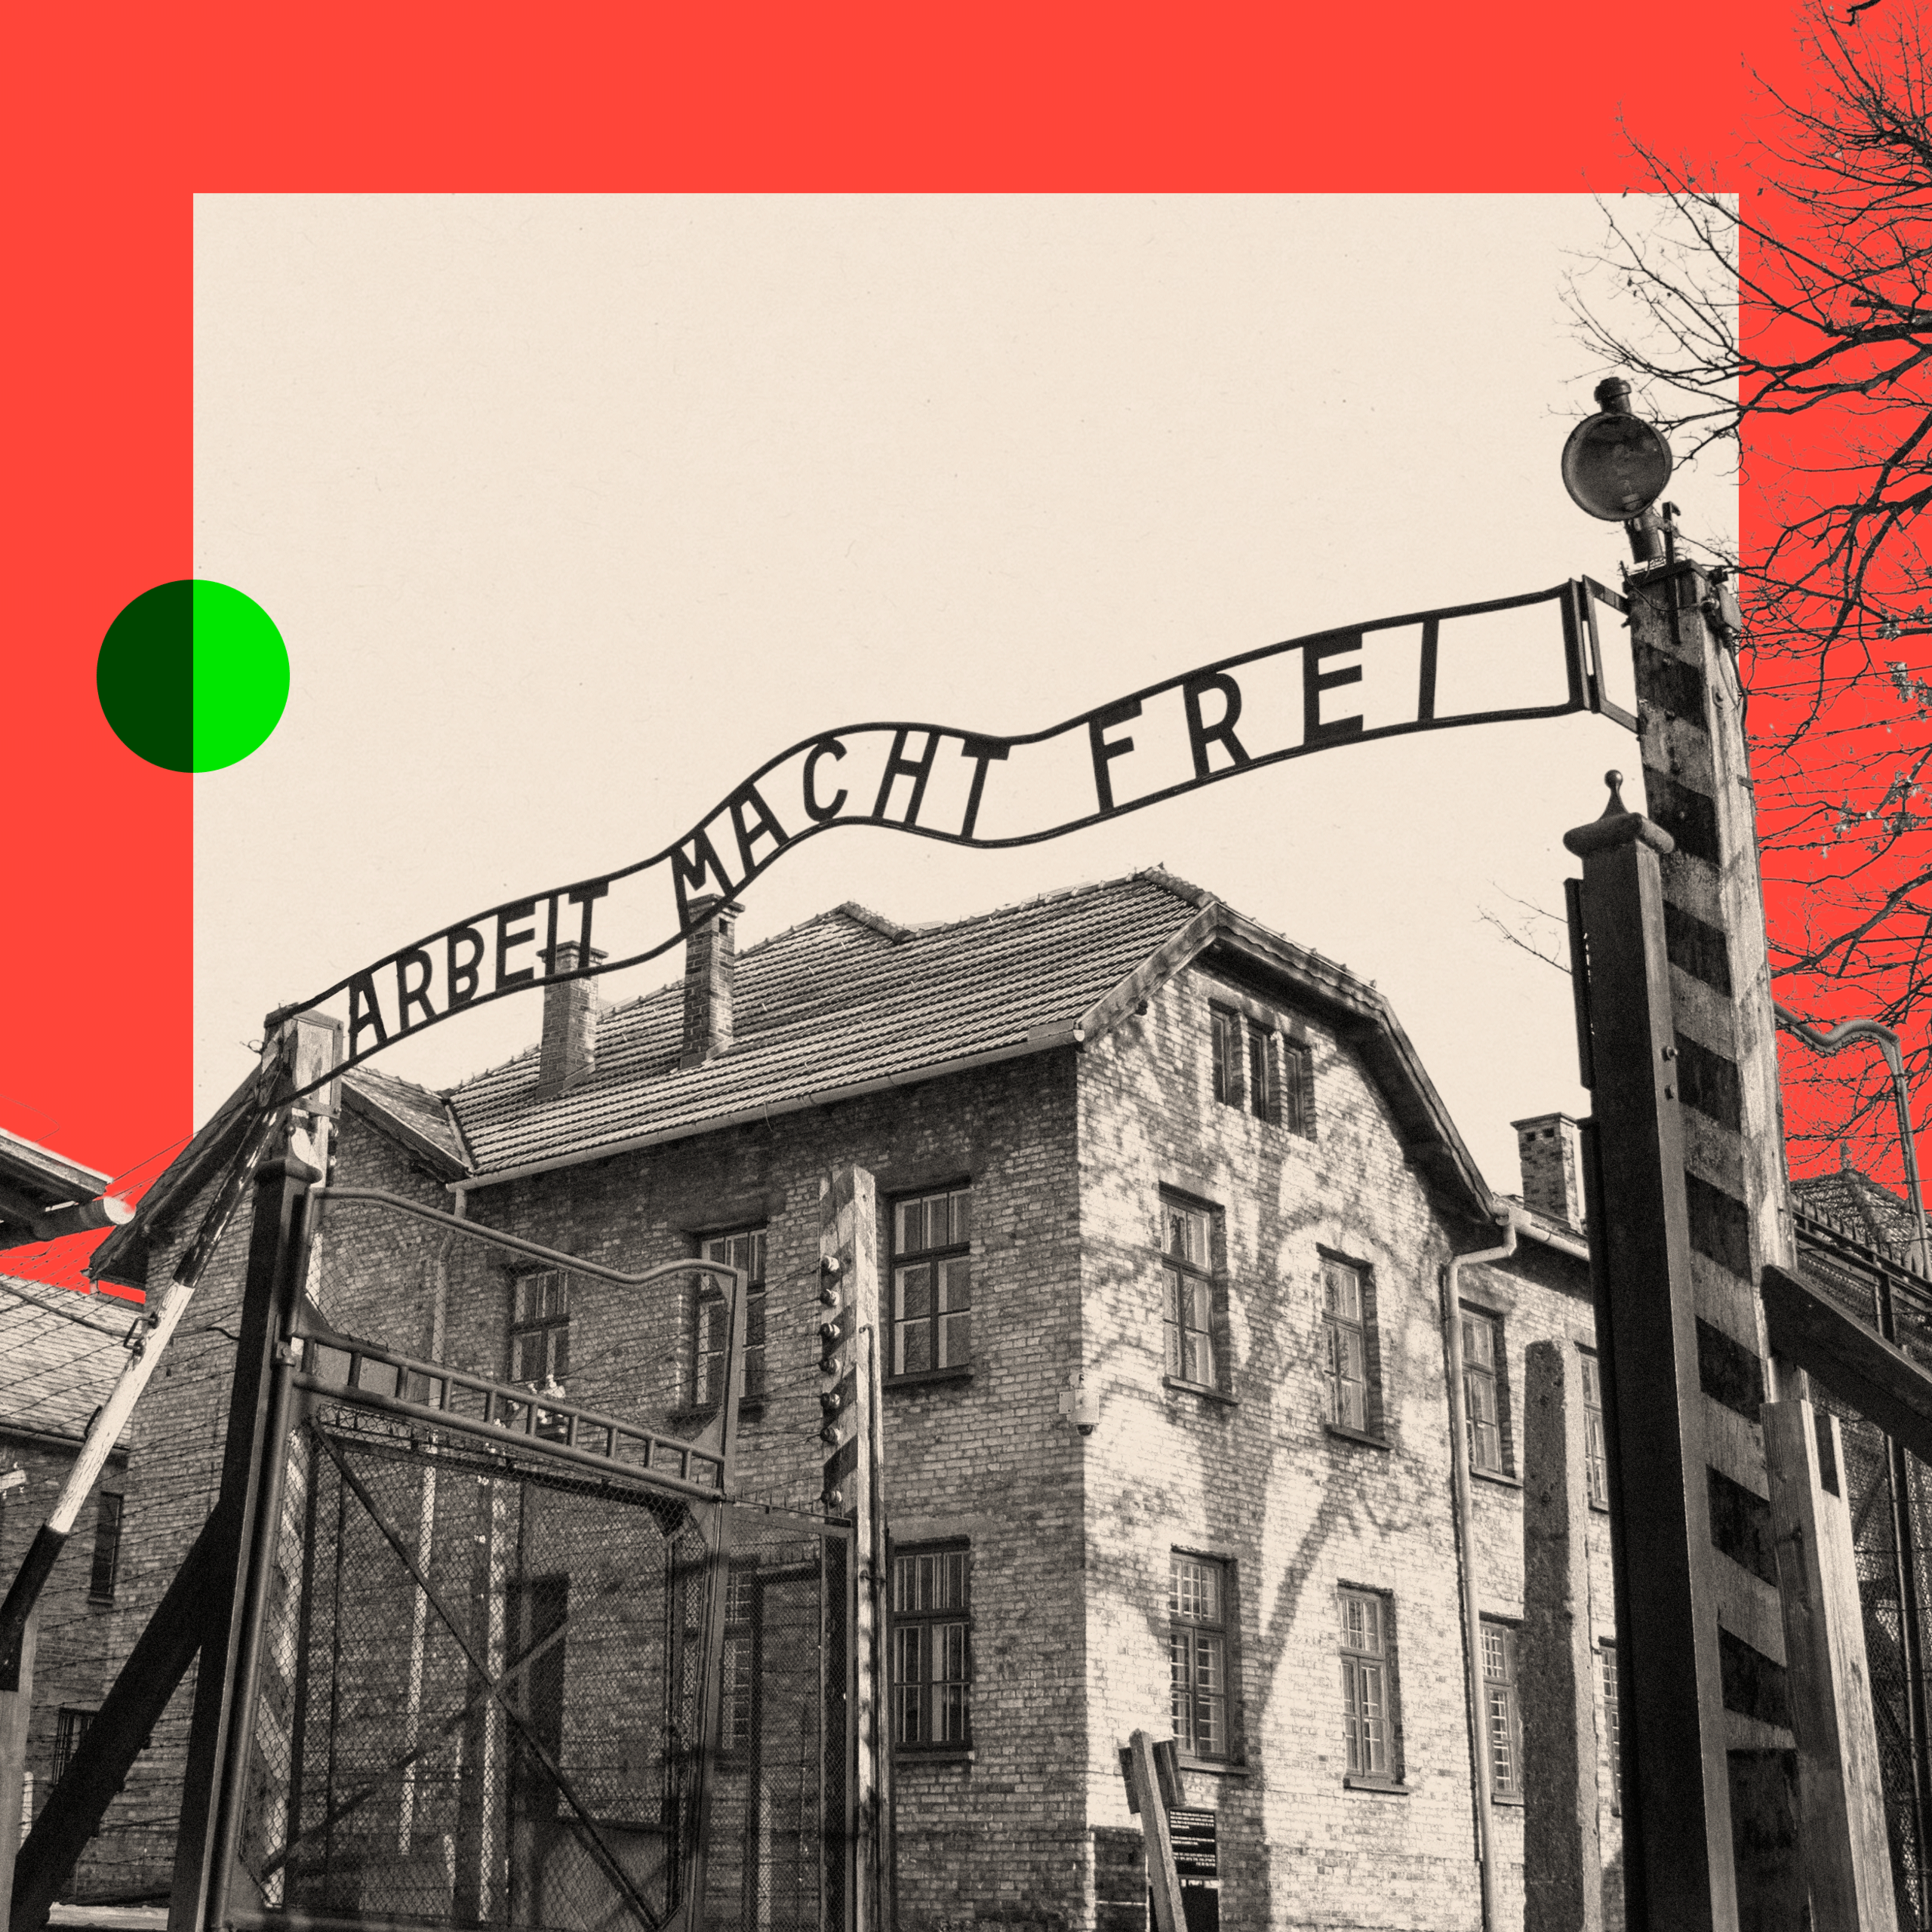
x=1865 y=1481
x=479 y=1701
x=780 y=1835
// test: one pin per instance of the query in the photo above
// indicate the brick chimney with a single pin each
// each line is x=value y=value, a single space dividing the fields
x=709 y=955
x=569 y=1052
x=1552 y=1167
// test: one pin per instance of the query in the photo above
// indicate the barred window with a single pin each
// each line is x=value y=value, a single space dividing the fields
x=1367 y=1704
x=1187 y=1291
x=1344 y=1290
x=1198 y=1653
x=932 y=1662
x=106 y=1546
x=1296 y=1105
x=1224 y=1029
x=1501 y=1718
x=710 y=1330
x=540 y=1328
x=932 y=1282
x=70 y=1727
x=1480 y=1353
x=1613 y=1722
x=1596 y=1469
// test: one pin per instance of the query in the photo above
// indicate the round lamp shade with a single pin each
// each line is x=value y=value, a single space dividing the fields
x=1615 y=466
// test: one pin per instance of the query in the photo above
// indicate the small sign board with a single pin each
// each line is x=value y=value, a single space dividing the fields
x=1198 y=1866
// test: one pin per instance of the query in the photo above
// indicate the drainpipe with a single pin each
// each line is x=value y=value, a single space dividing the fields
x=1463 y=1515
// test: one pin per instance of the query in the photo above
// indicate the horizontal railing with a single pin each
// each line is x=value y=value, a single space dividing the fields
x=345 y=1369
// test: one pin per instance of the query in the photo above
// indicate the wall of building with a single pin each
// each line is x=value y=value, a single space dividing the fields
x=73 y=1662
x=1296 y=1508
x=1066 y=1154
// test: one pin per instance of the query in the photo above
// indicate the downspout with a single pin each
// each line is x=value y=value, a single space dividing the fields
x=1463 y=1512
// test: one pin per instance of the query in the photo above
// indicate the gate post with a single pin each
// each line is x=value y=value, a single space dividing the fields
x=1677 y=1859
x=244 y=1525
x=1689 y=1207
x=851 y=1337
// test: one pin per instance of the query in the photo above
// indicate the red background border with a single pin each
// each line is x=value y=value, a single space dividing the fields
x=121 y=115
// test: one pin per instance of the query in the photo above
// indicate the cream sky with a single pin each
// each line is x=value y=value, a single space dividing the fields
x=574 y=510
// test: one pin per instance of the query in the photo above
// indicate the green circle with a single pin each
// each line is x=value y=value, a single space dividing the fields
x=192 y=675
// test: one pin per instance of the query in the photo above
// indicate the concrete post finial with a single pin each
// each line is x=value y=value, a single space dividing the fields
x=1617 y=808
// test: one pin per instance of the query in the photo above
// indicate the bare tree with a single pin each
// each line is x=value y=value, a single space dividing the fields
x=1787 y=328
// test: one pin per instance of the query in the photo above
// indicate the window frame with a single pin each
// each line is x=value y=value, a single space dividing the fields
x=1596 y=1451
x=1495 y=1373
x=1225 y=1053
x=1611 y=1728
x=1295 y=1086
x=1370 y=1428
x=68 y=1735
x=1357 y=1661
x=1185 y=1697
x=109 y=1524
x=546 y=1323
x=936 y=1255
x=1503 y=1690
x=1263 y=1096
x=926 y=1687
x=708 y=1299
x=1179 y=1302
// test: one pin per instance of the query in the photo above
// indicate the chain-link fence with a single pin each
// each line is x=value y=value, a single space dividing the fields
x=480 y=1689
x=779 y=1837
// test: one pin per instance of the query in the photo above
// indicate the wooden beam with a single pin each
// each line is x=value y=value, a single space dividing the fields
x=1841 y=1808
x=1875 y=1376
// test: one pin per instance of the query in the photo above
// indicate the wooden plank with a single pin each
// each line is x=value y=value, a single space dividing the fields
x=1846 y=1854
x=1152 y=1803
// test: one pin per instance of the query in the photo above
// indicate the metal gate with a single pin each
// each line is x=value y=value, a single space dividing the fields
x=516 y=1663
x=781 y=1822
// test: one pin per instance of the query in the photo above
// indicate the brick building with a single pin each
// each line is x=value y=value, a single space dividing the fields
x=1120 y=1134
x=59 y=1354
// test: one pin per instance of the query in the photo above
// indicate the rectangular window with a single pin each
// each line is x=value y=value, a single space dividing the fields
x=1596 y=1466
x=1503 y=1732
x=1187 y=1288
x=69 y=1728
x=745 y=1250
x=932 y=1677
x=1296 y=1105
x=1226 y=1028
x=1345 y=1323
x=106 y=1546
x=1613 y=1722
x=1368 y=1724
x=932 y=1282
x=541 y=1329
x=1480 y=1353
x=1261 y=1096
x=1198 y=1653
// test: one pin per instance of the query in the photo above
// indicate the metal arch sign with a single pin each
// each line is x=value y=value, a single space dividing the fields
x=1426 y=671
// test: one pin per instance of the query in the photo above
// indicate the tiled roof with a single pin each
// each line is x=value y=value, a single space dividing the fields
x=833 y=1004
x=53 y=1372
x=1863 y=1207
x=419 y=1116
